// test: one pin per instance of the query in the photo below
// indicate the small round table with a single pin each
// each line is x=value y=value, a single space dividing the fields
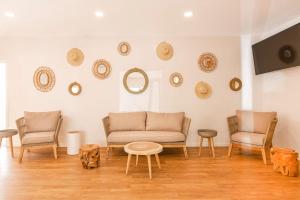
x=209 y=134
x=8 y=133
x=143 y=148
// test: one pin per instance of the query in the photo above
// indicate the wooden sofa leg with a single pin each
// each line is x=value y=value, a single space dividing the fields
x=107 y=151
x=264 y=156
x=229 y=150
x=185 y=152
x=55 y=151
x=21 y=154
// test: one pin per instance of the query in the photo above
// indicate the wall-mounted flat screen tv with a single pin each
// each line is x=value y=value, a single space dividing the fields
x=278 y=52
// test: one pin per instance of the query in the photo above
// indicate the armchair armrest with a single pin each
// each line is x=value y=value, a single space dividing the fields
x=232 y=124
x=186 y=126
x=21 y=127
x=57 y=130
x=270 y=133
x=105 y=122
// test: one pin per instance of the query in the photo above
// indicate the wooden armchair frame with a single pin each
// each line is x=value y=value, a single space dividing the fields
x=185 y=131
x=267 y=144
x=21 y=128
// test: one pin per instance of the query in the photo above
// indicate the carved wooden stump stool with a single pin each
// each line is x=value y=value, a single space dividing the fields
x=285 y=161
x=90 y=156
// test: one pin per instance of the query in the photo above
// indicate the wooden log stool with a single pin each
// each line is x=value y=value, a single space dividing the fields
x=209 y=134
x=90 y=156
x=285 y=161
x=8 y=133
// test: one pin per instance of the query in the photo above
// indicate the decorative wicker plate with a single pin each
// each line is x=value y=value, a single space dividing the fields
x=207 y=62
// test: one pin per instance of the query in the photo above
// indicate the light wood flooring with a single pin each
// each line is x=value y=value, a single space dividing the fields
x=243 y=177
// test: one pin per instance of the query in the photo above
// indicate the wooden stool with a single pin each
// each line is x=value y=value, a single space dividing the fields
x=8 y=133
x=90 y=156
x=285 y=161
x=209 y=134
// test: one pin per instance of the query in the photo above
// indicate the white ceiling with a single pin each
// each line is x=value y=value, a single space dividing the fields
x=143 y=17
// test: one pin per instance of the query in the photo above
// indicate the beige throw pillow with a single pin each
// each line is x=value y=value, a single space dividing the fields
x=41 y=121
x=131 y=121
x=164 y=121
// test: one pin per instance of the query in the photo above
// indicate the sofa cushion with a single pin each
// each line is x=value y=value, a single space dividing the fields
x=151 y=136
x=41 y=121
x=248 y=138
x=257 y=122
x=164 y=121
x=38 y=137
x=132 y=121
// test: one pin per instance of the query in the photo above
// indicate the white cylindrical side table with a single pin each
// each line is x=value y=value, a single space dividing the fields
x=73 y=142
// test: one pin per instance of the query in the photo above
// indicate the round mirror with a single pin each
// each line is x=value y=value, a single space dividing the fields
x=44 y=79
x=75 y=88
x=176 y=79
x=235 y=84
x=101 y=69
x=135 y=81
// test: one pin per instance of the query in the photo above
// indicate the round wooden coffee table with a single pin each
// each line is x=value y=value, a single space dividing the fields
x=145 y=149
x=8 y=133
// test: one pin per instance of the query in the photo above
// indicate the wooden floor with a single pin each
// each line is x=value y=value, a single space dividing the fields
x=40 y=177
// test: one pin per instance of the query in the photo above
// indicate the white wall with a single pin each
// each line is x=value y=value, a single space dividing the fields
x=24 y=55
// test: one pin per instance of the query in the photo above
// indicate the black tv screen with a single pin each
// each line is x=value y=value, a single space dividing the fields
x=278 y=52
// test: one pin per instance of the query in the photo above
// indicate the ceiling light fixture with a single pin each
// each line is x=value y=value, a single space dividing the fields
x=9 y=14
x=99 y=14
x=188 y=14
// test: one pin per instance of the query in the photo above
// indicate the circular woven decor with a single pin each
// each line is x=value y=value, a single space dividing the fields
x=101 y=69
x=203 y=90
x=176 y=79
x=235 y=84
x=75 y=57
x=124 y=48
x=207 y=62
x=44 y=79
x=164 y=51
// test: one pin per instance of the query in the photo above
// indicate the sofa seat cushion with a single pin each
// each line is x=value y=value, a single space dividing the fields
x=164 y=121
x=248 y=138
x=41 y=121
x=38 y=137
x=131 y=121
x=151 y=136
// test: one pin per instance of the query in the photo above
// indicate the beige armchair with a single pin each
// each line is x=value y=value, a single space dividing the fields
x=253 y=130
x=39 y=129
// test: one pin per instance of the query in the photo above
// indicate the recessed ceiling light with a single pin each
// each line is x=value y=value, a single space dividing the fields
x=9 y=14
x=188 y=14
x=99 y=14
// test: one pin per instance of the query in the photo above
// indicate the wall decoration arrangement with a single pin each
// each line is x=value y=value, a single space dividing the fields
x=176 y=79
x=44 y=79
x=135 y=81
x=164 y=51
x=101 y=69
x=74 y=88
x=124 y=48
x=203 y=90
x=235 y=84
x=75 y=57
x=207 y=62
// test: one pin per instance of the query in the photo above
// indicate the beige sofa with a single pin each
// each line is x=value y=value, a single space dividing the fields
x=254 y=130
x=168 y=129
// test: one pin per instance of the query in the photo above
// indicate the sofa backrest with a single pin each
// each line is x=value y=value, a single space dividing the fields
x=257 y=122
x=127 y=121
x=41 y=121
x=164 y=121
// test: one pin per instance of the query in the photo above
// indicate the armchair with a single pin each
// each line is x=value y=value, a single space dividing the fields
x=253 y=130
x=39 y=129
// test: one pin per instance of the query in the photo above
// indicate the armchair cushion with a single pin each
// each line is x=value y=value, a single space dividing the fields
x=41 y=121
x=257 y=122
x=38 y=137
x=164 y=121
x=133 y=121
x=248 y=138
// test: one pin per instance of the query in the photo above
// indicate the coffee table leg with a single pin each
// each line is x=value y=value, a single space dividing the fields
x=137 y=160
x=149 y=166
x=11 y=146
x=128 y=163
x=200 y=145
x=157 y=160
x=212 y=147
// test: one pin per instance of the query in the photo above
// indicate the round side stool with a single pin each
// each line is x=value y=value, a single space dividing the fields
x=8 y=133
x=209 y=134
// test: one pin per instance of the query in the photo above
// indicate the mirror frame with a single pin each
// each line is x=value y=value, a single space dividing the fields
x=232 y=84
x=171 y=79
x=120 y=48
x=95 y=69
x=70 y=88
x=51 y=79
x=138 y=70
